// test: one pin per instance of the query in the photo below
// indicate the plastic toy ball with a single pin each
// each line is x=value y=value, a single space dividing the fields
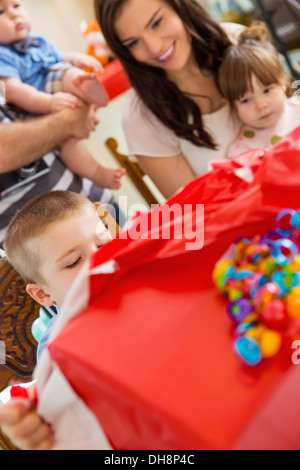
x=239 y=309
x=284 y=251
x=293 y=303
x=285 y=280
x=274 y=315
x=270 y=343
x=221 y=272
x=295 y=264
x=265 y=294
x=249 y=351
x=261 y=282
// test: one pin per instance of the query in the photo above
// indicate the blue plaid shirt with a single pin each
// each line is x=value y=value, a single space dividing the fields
x=32 y=67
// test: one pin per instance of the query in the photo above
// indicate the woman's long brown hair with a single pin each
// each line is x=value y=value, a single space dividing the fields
x=160 y=95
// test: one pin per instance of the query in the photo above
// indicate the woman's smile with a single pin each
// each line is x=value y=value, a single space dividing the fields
x=168 y=55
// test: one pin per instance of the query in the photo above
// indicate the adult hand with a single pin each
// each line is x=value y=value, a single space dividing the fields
x=81 y=120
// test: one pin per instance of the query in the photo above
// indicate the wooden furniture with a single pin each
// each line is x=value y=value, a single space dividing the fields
x=107 y=219
x=133 y=170
x=17 y=313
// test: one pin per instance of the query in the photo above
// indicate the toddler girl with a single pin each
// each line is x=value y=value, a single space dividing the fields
x=253 y=80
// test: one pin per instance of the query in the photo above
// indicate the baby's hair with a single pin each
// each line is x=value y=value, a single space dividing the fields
x=254 y=54
x=32 y=221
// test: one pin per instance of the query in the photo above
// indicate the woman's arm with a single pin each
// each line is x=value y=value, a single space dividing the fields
x=24 y=142
x=168 y=173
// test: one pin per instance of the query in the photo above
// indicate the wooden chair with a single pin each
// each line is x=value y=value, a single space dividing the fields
x=107 y=219
x=17 y=313
x=134 y=172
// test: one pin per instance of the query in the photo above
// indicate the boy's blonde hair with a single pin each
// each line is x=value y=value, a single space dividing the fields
x=32 y=221
x=254 y=54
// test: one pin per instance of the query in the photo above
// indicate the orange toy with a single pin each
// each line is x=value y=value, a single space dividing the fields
x=97 y=46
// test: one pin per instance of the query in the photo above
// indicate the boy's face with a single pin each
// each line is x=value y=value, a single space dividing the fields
x=262 y=107
x=62 y=250
x=14 y=22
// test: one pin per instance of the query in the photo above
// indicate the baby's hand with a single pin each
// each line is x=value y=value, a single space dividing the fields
x=85 y=61
x=62 y=100
x=24 y=427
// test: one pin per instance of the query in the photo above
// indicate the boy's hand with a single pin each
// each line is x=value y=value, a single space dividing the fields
x=61 y=100
x=24 y=427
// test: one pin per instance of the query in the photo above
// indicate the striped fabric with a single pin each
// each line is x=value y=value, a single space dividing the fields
x=59 y=177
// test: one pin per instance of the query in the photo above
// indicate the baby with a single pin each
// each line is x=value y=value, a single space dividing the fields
x=39 y=79
x=253 y=80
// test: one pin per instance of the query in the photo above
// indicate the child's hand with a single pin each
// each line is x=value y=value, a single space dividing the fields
x=61 y=100
x=84 y=61
x=24 y=427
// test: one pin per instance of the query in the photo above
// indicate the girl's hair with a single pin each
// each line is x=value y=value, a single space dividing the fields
x=160 y=95
x=254 y=54
x=32 y=221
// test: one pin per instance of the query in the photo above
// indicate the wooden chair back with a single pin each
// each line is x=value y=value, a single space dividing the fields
x=134 y=172
x=18 y=347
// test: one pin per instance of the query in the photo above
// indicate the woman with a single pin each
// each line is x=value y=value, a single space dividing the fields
x=175 y=119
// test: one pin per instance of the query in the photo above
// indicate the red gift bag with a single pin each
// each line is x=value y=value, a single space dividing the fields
x=114 y=79
x=151 y=354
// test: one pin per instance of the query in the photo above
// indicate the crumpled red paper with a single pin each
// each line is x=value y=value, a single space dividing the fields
x=151 y=354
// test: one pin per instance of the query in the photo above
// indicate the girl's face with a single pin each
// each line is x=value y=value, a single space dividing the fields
x=14 y=22
x=154 y=34
x=262 y=107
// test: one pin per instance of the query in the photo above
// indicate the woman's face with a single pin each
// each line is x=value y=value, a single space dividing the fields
x=154 y=34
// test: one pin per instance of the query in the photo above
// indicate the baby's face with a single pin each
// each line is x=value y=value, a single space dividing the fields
x=64 y=248
x=262 y=107
x=14 y=22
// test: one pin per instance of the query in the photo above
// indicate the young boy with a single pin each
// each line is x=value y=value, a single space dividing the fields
x=47 y=242
x=49 y=239
x=39 y=79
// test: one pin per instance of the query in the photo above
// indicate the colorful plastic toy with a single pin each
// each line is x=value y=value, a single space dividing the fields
x=262 y=285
